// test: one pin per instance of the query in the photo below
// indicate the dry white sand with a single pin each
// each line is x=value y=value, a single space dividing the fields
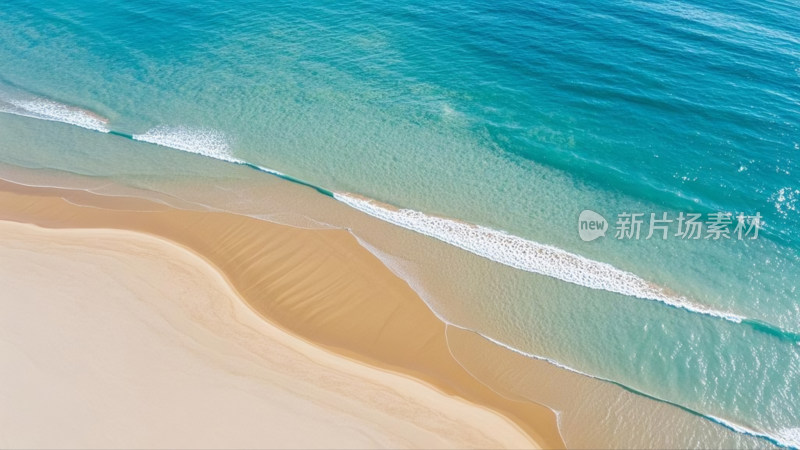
x=114 y=338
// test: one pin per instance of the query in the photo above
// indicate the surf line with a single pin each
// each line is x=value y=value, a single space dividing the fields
x=504 y=248
x=244 y=163
x=776 y=440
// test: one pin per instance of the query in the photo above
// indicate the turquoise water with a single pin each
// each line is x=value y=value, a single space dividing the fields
x=513 y=116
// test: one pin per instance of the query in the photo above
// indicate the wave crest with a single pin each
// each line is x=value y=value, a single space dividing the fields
x=51 y=110
x=529 y=256
x=202 y=141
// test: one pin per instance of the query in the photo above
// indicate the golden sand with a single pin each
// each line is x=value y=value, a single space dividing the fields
x=320 y=285
x=112 y=338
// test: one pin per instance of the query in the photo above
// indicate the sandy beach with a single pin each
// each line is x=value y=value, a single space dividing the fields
x=212 y=329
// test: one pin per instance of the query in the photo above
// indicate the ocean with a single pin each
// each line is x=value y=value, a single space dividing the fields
x=486 y=127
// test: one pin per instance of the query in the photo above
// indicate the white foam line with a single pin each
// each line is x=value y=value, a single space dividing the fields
x=56 y=112
x=789 y=437
x=529 y=256
x=495 y=245
x=201 y=141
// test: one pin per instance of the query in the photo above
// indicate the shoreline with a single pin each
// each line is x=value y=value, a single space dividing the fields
x=269 y=266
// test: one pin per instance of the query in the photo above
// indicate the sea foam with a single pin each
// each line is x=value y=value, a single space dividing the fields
x=787 y=437
x=495 y=245
x=57 y=112
x=529 y=256
x=202 y=141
